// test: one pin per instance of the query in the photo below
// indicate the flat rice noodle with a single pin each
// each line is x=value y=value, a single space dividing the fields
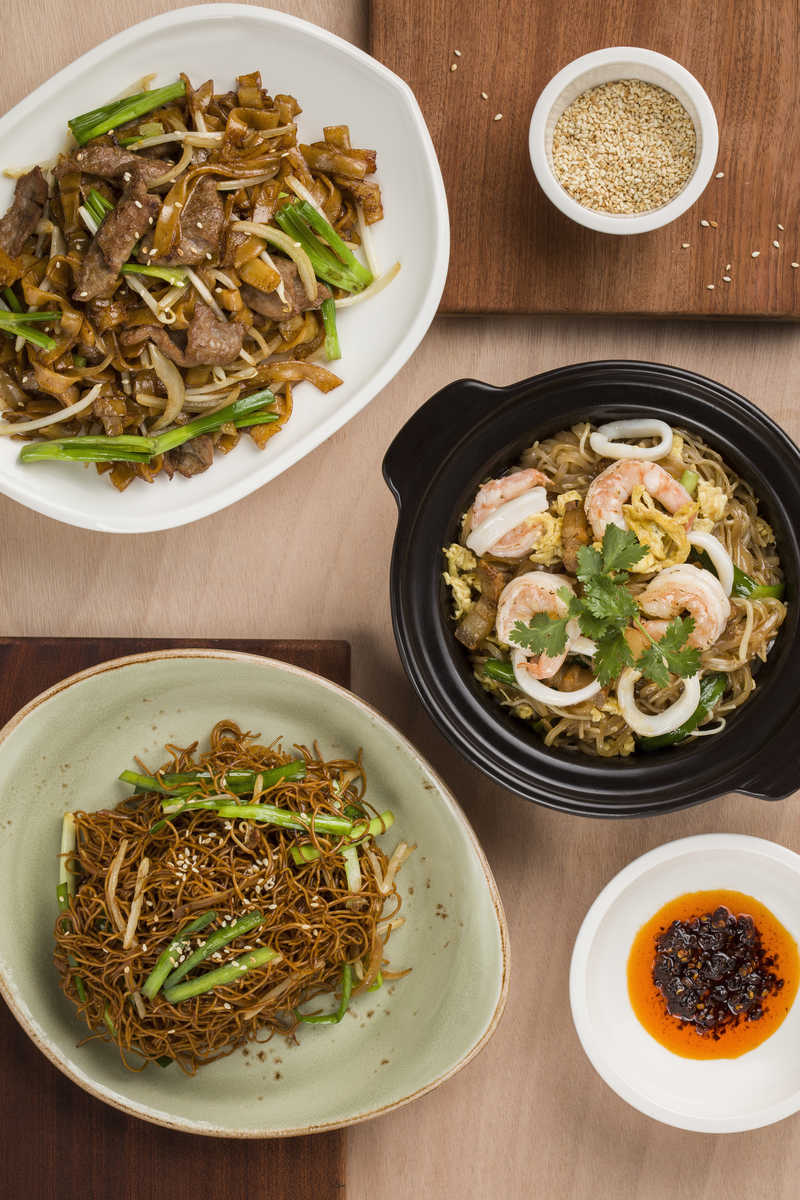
x=260 y=275
x=69 y=193
x=248 y=90
x=53 y=383
x=293 y=371
x=250 y=248
x=325 y=158
x=10 y=268
x=288 y=108
x=368 y=196
x=243 y=120
x=337 y=136
x=262 y=433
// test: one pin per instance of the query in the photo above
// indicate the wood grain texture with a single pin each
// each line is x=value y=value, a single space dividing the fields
x=513 y=250
x=308 y=557
x=58 y=1140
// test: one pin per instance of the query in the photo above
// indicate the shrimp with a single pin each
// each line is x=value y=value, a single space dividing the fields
x=534 y=592
x=689 y=588
x=523 y=538
x=613 y=486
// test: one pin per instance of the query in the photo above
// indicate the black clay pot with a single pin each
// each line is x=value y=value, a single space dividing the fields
x=470 y=430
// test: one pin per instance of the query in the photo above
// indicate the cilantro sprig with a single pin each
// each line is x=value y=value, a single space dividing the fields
x=604 y=611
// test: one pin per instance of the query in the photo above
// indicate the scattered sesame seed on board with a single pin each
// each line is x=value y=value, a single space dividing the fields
x=484 y=96
x=727 y=266
x=796 y=265
x=704 y=222
x=726 y=278
x=755 y=253
x=710 y=287
x=777 y=245
x=453 y=66
x=457 y=53
x=714 y=224
x=780 y=227
x=498 y=116
x=684 y=245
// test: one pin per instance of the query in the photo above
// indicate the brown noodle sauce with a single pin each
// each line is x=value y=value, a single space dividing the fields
x=773 y=954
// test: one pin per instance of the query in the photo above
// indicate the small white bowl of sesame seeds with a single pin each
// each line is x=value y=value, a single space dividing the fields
x=623 y=140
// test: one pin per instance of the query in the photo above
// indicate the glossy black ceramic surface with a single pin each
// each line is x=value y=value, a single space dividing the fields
x=471 y=430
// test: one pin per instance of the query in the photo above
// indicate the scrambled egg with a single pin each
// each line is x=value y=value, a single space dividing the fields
x=712 y=501
x=548 y=548
x=764 y=532
x=664 y=533
x=459 y=578
x=566 y=498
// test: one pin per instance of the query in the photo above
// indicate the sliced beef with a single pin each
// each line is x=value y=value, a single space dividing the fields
x=114 y=241
x=112 y=162
x=192 y=458
x=201 y=225
x=269 y=304
x=209 y=341
x=25 y=213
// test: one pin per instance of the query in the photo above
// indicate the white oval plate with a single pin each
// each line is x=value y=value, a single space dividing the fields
x=335 y=83
x=65 y=749
x=723 y=1096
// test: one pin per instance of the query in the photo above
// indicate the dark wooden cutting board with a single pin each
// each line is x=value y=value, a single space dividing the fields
x=512 y=250
x=56 y=1140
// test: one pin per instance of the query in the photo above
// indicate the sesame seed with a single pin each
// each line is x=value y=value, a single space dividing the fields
x=199 y=224
x=498 y=116
x=84 y=294
x=484 y=96
x=726 y=278
x=720 y=175
x=126 y=175
x=209 y=255
x=777 y=245
x=780 y=227
x=796 y=265
x=727 y=266
x=457 y=53
x=755 y=253
x=684 y=245
x=714 y=224
x=138 y=204
x=453 y=66
x=704 y=223
x=710 y=287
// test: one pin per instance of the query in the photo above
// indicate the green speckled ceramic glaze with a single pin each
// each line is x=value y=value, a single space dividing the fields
x=64 y=751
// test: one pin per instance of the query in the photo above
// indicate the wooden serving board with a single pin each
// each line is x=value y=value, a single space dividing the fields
x=59 y=1141
x=512 y=250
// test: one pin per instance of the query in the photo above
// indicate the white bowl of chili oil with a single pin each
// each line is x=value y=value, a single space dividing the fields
x=751 y=1087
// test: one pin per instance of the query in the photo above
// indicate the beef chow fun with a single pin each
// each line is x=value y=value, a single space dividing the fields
x=168 y=279
x=617 y=589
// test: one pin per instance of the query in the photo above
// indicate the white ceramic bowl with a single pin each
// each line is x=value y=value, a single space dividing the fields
x=605 y=66
x=334 y=83
x=65 y=749
x=718 y=1096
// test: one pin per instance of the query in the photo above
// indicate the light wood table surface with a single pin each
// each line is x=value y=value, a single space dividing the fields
x=308 y=556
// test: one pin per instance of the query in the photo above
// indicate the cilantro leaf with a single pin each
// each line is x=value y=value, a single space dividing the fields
x=652 y=665
x=591 y=626
x=612 y=654
x=621 y=549
x=542 y=635
x=590 y=563
x=670 y=655
x=605 y=598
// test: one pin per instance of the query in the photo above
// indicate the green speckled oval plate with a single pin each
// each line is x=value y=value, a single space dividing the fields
x=65 y=749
